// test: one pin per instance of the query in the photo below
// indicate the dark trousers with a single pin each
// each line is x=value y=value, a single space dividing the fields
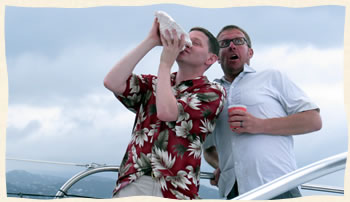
x=293 y=193
x=234 y=191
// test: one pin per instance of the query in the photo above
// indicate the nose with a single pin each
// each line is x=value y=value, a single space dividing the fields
x=232 y=45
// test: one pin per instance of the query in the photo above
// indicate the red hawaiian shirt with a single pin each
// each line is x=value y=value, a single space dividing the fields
x=170 y=150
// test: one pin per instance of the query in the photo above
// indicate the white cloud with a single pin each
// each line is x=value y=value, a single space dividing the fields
x=94 y=128
x=304 y=64
x=328 y=95
x=95 y=113
x=50 y=119
x=73 y=72
x=319 y=72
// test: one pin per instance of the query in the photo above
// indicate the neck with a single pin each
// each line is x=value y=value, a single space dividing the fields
x=231 y=75
x=186 y=73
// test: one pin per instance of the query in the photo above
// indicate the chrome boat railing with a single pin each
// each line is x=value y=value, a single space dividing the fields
x=266 y=191
x=96 y=168
x=296 y=178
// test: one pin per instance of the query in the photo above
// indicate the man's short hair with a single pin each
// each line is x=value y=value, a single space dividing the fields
x=229 y=27
x=212 y=41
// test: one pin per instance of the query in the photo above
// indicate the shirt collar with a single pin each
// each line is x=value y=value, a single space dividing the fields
x=188 y=84
x=246 y=69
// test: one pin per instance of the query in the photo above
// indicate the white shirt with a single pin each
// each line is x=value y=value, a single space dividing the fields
x=255 y=159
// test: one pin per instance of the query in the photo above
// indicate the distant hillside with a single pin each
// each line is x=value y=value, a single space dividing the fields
x=19 y=181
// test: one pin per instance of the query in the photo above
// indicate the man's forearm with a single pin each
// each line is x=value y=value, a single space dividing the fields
x=115 y=80
x=299 y=123
x=166 y=102
x=211 y=156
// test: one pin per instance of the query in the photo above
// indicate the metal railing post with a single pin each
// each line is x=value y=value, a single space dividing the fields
x=63 y=190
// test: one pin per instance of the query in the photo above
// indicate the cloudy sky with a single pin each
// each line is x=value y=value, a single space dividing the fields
x=57 y=58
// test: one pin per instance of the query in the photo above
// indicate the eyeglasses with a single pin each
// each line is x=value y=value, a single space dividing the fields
x=237 y=41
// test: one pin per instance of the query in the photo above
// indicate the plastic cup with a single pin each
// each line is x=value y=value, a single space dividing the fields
x=236 y=107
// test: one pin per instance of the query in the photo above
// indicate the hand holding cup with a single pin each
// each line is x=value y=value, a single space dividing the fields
x=238 y=123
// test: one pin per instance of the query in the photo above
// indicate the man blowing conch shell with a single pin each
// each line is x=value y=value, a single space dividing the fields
x=174 y=113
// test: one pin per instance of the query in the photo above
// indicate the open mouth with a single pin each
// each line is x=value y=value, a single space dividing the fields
x=234 y=57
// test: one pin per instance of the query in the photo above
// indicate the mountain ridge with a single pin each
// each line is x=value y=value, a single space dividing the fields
x=19 y=183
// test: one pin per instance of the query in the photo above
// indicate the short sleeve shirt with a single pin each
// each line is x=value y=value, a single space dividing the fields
x=170 y=150
x=255 y=159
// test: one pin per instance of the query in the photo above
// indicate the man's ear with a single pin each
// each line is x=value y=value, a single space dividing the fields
x=251 y=53
x=211 y=59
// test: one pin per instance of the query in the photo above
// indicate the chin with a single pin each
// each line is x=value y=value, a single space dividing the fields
x=180 y=57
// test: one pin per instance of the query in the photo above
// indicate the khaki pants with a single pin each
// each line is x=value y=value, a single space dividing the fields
x=144 y=186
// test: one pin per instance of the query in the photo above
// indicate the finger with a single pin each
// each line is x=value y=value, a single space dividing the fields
x=235 y=127
x=212 y=182
x=182 y=41
x=235 y=124
x=216 y=171
x=236 y=112
x=163 y=40
x=155 y=22
x=217 y=177
x=236 y=118
x=240 y=130
x=168 y=36
x=175 y=38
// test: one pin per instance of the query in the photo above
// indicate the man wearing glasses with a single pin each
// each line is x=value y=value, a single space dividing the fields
x=259 y=147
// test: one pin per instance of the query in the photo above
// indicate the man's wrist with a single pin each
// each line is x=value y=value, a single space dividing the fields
x=149 y=42
x=165 y=65
x=265 y=125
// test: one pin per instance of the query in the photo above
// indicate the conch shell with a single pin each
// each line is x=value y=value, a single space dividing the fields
x=168 y=23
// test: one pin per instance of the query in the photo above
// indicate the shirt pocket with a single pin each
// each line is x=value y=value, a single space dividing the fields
x=252 y=97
